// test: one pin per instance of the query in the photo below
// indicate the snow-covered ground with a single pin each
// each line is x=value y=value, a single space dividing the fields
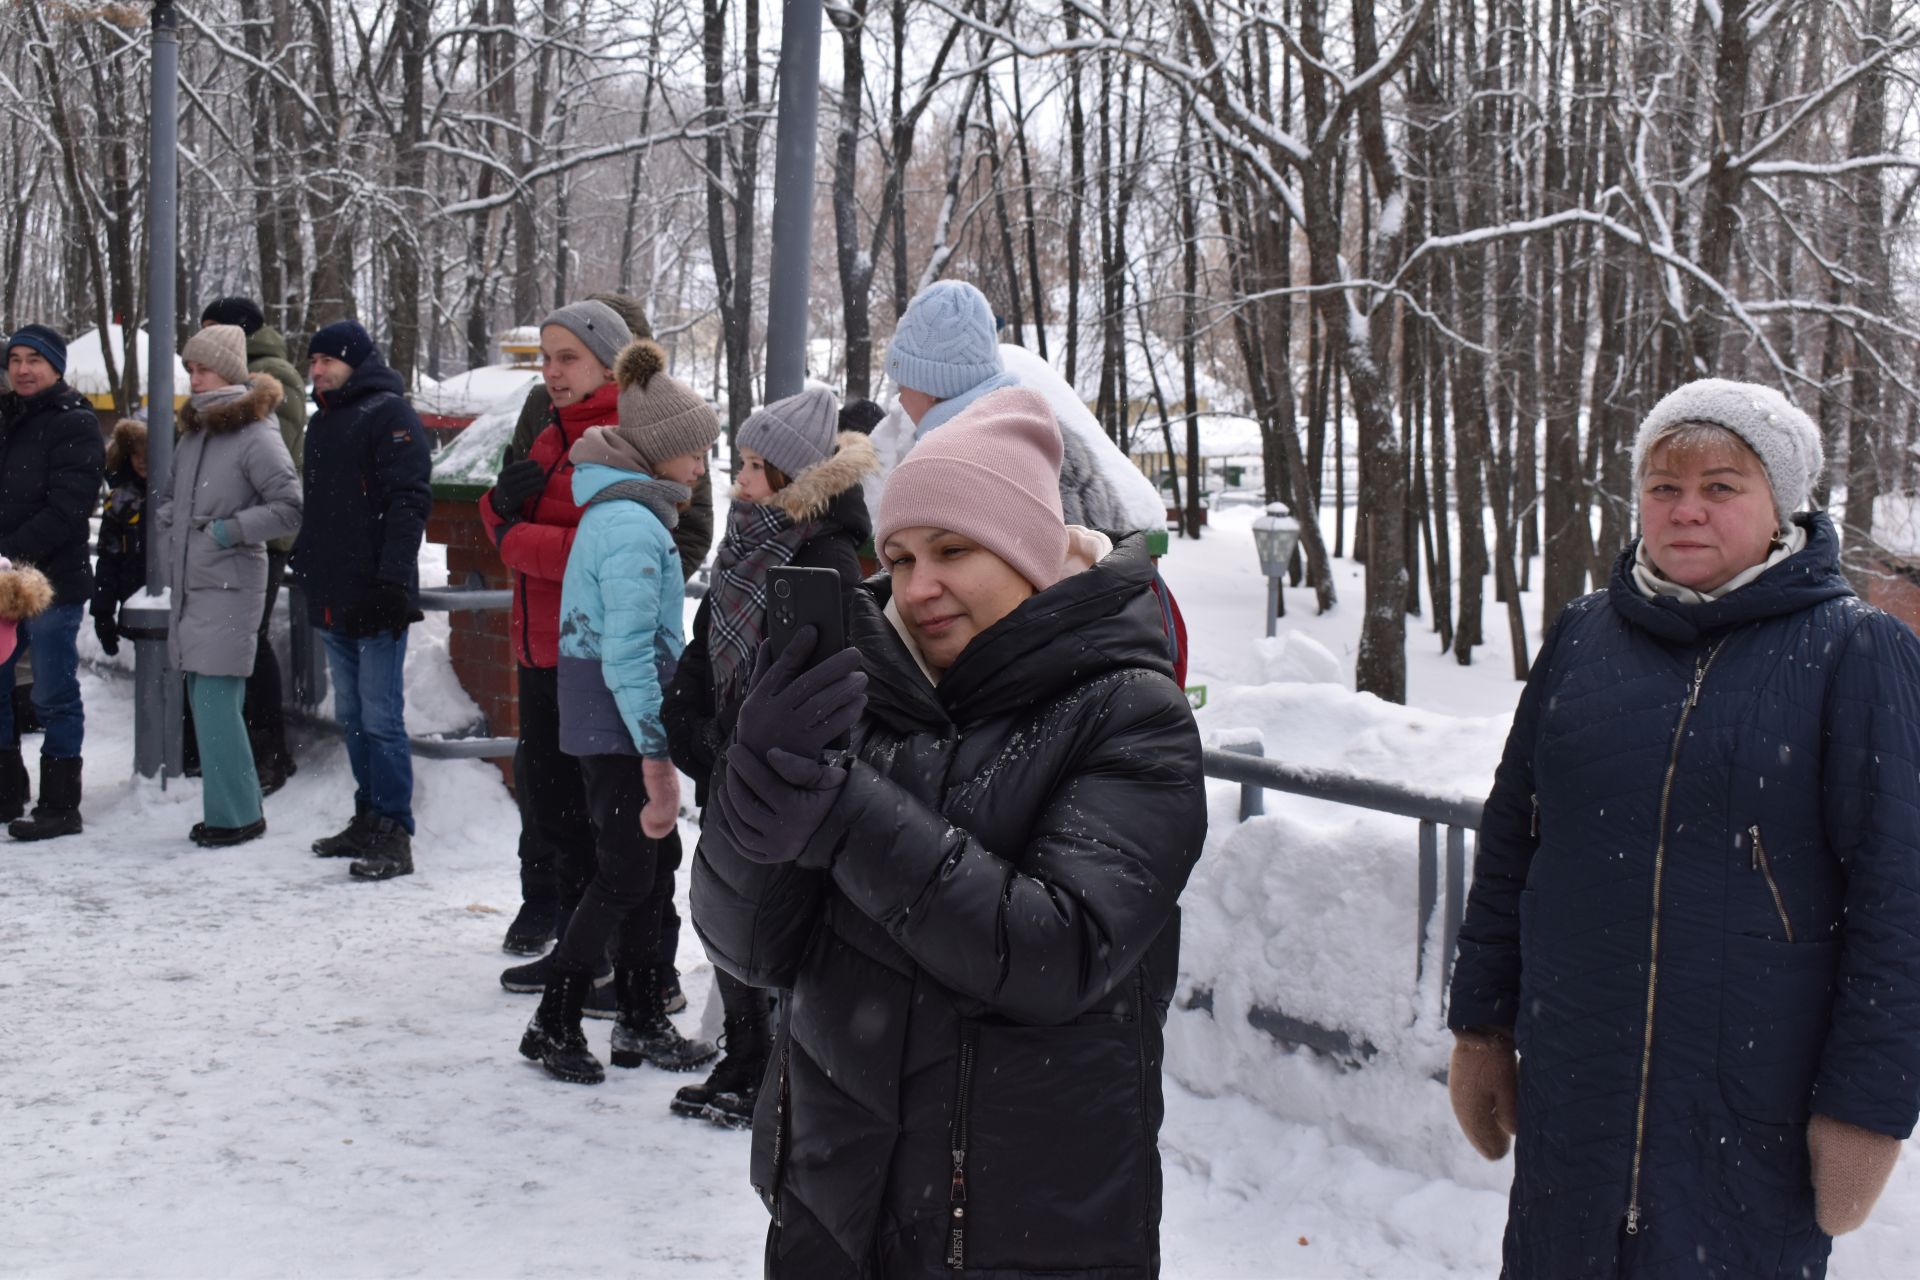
x=241 y=1062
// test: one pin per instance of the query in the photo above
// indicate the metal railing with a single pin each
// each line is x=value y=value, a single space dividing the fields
x=1240 y=757
x=308 y=685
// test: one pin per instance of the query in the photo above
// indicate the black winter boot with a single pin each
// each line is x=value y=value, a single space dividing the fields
x=349 y=842
x=58 y=813
x=387 y=853
x=644 y=1033
x=554 y=1038
x=727 y=1096
x=16 y=788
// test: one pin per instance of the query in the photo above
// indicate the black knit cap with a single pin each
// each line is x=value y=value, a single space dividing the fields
x=343 y=340
x=244 y=312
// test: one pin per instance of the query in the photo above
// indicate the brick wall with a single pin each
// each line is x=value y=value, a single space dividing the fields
x=482 y=655
x=1894 y=587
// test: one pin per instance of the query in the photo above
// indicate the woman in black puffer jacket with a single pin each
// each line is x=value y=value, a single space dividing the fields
x=1695 y=909
x=975 y=907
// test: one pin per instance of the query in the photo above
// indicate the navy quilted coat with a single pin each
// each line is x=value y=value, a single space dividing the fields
x=1697 y=902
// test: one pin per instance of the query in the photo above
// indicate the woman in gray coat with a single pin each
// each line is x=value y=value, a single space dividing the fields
x=234 y=489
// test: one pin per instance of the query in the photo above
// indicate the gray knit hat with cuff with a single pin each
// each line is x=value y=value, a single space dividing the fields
x=795 y=433
x=597 y=325
x=221 y=348
x=1786 y=439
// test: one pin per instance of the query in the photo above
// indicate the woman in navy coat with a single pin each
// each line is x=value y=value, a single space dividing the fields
x=1688 y=984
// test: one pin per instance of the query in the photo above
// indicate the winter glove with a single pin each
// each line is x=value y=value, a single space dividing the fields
x=386 y=611
x=798 y=711
x=1850 y=1170
x=661 y=813
x=108 y=632
x=517 y=482
x=1482 y=1080
x=223 y=533
x=771 y=809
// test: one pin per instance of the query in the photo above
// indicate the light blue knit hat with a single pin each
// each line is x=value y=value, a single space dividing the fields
x=947 y=343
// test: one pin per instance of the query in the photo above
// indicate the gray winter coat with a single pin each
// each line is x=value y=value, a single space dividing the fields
x=230 y=464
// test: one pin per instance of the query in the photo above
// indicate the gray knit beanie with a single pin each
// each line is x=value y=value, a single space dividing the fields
x=795 y=433
x=221 y=348
x=947 y=343
x=597 y=325
x=1785 y=438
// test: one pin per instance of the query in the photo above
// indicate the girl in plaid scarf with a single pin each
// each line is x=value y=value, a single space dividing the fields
x=797 y=501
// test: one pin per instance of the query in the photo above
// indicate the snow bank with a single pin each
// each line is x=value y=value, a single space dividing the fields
x=1309 y=915
x=87 y=367
x=478 y=390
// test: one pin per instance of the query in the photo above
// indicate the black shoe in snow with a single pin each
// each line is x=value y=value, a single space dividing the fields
x=349 y=843
x=554 y=1039
x=672 y=998
x=220 y=837
x=644 y=1033
x=531 y=930
x=529 y=978
x=388 y=852
x=58 y=813
x=729 y=1093
x=274 y=775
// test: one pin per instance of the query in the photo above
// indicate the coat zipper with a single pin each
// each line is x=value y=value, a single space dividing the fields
x=1764 y=866
x=1535 y=831
x=1700 y=670
x=780 y=1135
x=957 y=1192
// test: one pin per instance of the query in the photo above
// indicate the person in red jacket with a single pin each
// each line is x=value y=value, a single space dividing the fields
x=532 y=517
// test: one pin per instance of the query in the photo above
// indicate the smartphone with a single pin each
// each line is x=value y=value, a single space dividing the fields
x=799 y=598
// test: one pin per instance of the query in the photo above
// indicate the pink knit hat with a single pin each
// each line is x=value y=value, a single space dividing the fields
x=992 y=475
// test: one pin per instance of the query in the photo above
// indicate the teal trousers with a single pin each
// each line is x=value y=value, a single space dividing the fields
x=230 y=787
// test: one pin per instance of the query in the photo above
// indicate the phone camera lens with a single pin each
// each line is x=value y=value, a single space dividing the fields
x=782 y=589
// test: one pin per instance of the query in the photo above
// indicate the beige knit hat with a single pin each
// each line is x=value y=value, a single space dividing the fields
x=221 y=348
x=661 y=417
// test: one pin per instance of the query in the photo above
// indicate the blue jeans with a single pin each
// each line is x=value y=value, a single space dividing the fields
x=370 y=704
x=56 y=682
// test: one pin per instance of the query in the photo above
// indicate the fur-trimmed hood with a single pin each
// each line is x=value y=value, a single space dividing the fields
x=24 y=591
x=129 y=437
x=263 y=396
x=809 y=494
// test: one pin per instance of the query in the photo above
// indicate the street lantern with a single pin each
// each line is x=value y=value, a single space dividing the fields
x=1275 y=535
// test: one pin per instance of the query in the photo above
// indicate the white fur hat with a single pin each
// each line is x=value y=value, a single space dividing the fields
x=1785 y=438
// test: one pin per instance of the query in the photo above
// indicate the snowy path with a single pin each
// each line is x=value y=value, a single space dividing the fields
x=238 y=1062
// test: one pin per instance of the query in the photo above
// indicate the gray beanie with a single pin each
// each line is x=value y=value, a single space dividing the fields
x=947 y=343
x=1785 y=438
x=795 y=433
x=221 y=348
x=597 y=325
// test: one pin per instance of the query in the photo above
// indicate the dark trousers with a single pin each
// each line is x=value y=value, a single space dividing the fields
x=264 y=712
x=620 y=905
x=557 y=845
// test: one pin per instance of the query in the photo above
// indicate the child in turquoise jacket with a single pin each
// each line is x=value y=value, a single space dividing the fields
x=621 y=604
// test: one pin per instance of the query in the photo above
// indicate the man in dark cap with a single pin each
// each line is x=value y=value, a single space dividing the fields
x=51 y=464
x=367 y=497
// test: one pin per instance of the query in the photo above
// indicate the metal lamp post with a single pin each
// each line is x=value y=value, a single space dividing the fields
x=1275 y=535
x=791 y=261
x=157 y=692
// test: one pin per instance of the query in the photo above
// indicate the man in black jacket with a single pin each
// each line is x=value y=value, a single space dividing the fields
x=367 y=496
x=51 y=461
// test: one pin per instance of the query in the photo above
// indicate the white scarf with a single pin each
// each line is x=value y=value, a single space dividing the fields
x=1653 y=583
